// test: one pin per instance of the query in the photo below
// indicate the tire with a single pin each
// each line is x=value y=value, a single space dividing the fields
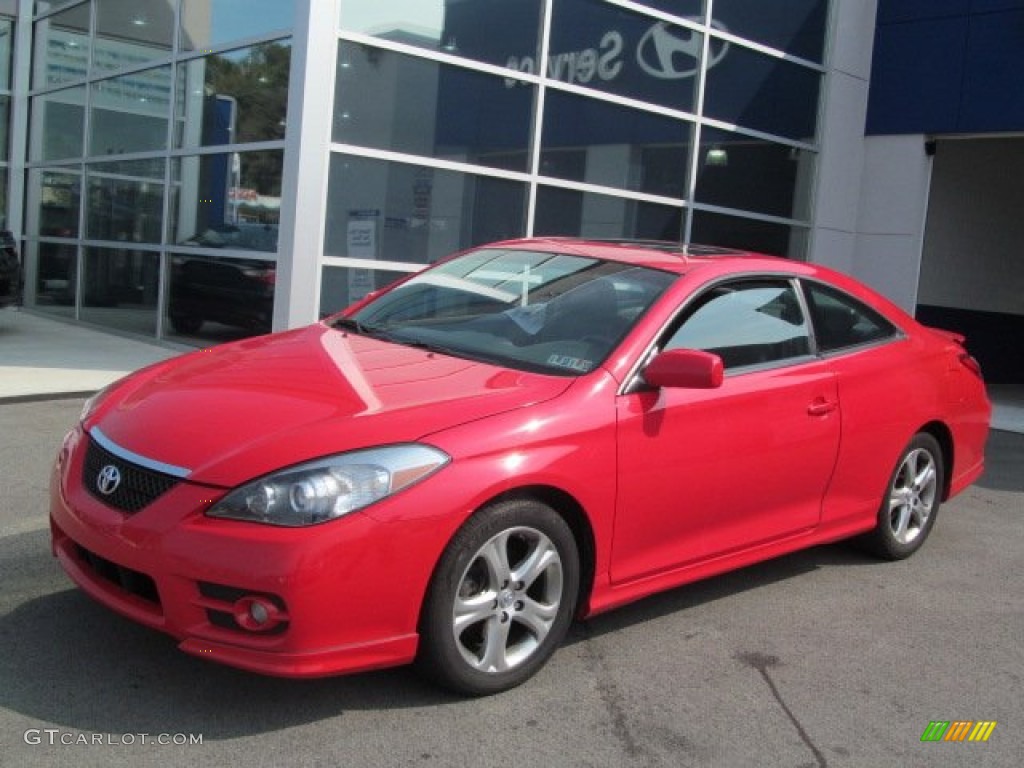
x=911 y=504
x=501 y=599
x=186 y=324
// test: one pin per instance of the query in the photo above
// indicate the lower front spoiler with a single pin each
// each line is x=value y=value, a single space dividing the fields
x=380 y=654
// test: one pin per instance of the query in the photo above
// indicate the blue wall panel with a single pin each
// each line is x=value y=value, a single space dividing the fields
x=916 y=74
x=894 y=11
x=947 y=66
x=993 y=98
x=986 y=6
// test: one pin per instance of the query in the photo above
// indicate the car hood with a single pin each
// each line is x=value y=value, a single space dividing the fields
x=238 y=411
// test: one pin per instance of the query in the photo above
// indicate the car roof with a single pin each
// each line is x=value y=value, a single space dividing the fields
x=709 y=262
x=656 y=254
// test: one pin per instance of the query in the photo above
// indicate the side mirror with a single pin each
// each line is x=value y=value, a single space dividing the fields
x=685 y=369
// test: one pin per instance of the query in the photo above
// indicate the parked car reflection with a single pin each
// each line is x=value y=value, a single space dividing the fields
x=235 y=292
x=249 y=236
x=10 y=270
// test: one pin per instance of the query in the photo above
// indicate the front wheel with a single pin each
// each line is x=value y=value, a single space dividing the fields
x=501 y=599
x=911 y=503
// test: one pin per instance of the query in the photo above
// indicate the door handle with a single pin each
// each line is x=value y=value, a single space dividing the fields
x=822 y=407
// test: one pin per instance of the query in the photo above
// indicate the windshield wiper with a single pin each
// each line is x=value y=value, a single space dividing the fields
x=374 y=332
x=429 y=346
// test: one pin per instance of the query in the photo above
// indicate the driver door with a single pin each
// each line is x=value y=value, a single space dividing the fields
x=704 y=473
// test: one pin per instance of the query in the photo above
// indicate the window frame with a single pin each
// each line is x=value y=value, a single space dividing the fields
x=895 y=332
x=696 y=302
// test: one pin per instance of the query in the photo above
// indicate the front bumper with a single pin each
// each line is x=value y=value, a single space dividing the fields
x=339 y=597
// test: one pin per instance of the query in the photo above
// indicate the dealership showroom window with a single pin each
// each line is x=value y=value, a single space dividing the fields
x=191 y=162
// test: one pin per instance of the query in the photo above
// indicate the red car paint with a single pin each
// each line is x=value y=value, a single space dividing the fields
x=664 y=486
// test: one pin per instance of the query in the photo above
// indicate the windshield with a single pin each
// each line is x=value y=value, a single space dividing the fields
x=530 y=310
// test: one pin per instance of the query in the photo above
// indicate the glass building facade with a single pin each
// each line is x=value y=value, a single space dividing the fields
x=202 y=170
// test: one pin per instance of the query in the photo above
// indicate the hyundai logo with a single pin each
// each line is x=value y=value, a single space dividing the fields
x=108 y=479
x=672 y=53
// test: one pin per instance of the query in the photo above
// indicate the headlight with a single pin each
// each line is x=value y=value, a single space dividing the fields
x=329 y=488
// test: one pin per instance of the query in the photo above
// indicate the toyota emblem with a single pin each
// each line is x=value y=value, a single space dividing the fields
x=108 y=479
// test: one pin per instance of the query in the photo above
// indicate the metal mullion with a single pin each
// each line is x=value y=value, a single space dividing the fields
x=163 y=269
x=83 y=199
x=538 y=121
x=121 y=177
x=702 y=81
x=121 y=245
x=767 y=50
x=125 y=157
x=385 y=266
x=156 y=154
x=744 y=214
x=753 y=133
x=221 y=149
x=113 y=74
x=54 y=11
x=456 y=166
x=819 y=119
x=622 y=101
x=228 y=47
x=618 y=192
x=438 y=56
x=654 y=13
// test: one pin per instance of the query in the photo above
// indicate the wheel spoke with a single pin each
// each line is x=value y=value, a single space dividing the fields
x=495 y=556
x=495 y=655
x=472 y=610
x=537 y=562
x=537 y=617
x=900 y=528
x=918 y=515
x=924 y=472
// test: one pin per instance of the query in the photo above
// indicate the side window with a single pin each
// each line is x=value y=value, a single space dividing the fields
x=841 y=321
x=750 y=322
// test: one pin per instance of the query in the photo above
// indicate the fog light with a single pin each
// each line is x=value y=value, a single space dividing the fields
x=256 y=613
x=259 y=613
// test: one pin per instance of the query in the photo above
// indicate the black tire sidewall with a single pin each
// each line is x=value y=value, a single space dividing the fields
x=438 y=656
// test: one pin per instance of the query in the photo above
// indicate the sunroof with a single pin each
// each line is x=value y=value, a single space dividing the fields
x=694 y=249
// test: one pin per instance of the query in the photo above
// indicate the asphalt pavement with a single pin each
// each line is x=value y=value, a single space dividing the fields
x=822 y=658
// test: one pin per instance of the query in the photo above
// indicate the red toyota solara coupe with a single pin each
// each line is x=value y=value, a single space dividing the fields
x=454 y=468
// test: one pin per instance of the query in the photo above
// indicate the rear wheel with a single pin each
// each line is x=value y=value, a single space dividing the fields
x=912 y=500
x=501 y=600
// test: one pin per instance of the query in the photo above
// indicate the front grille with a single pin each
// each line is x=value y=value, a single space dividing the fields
x=137 y=488
x=133 y=582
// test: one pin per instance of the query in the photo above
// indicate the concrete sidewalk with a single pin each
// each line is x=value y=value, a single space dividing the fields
x=41 y=356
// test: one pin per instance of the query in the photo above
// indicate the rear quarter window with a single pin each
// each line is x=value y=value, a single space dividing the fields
x=842 y=322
